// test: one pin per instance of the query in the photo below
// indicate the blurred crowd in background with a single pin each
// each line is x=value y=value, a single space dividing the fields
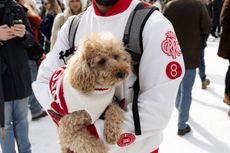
x=46 y=17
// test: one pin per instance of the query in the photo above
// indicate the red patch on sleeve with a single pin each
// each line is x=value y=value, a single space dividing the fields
x=170 y=45
x=173 y=70
x=126 y=139
x=54 y=79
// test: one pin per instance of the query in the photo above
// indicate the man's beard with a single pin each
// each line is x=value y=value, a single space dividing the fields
x=106 y=2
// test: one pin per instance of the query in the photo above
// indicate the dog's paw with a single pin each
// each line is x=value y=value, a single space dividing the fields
x=113 y=123
x=84 y=142
x=98 y=147
x=112 y=136
x=66 y=150
x=74 y=121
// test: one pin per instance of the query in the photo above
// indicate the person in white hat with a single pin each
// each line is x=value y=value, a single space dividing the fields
x=72 y=7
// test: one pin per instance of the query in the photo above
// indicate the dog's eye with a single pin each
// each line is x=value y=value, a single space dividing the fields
x=101 y=61
x=124 y=59
x=115 y=57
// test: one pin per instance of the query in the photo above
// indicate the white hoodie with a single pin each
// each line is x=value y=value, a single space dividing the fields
x=160 y=73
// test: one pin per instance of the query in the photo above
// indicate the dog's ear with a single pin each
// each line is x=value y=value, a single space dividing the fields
x=126 y=56
x=80 y=75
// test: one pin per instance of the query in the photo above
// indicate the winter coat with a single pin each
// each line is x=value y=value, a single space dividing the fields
x=224 y=46
x=35 y=22
x=160 y=73
x=58 y=22
x=47 y=24
x=16 y=77
x=191 y=21
x=37 y=50
x=217 y=5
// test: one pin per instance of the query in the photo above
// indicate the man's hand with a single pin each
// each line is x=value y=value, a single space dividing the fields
x=6 y=33
x=19 y=30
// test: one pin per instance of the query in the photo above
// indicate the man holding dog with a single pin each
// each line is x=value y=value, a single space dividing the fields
x=160 y=72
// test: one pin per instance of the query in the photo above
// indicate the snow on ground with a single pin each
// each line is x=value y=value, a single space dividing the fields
x=208 y=117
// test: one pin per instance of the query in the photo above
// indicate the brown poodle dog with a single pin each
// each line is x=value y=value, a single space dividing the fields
x=100 y=64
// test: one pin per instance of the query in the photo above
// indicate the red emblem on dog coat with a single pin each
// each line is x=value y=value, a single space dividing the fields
x=170 y=45
x=173 y=70
x=126 y=139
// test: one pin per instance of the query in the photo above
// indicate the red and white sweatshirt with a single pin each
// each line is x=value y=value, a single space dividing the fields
x=160 y=73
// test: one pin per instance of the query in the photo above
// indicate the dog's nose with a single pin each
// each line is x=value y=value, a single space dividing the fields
x=120 y=74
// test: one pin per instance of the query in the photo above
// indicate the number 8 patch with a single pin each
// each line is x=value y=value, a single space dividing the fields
x=173 y=70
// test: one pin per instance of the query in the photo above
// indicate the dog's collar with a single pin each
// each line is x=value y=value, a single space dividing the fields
x=101 y=89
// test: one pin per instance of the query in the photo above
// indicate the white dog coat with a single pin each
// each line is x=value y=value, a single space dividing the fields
x=67 y=99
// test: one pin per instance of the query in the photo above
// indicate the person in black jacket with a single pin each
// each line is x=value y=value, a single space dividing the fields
x=190 y=26
x=35 y=53
x=15 y=36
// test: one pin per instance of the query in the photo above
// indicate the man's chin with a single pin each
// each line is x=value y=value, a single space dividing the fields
x=106 y=2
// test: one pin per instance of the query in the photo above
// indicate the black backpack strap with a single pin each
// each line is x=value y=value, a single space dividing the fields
x=73 y=29
x=133 y=41
x=71 y=37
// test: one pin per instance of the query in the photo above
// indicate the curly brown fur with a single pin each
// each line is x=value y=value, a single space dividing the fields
x=113 y=123
x=74 y=137
x=99 y=61
x=66 y=150
x=83 y=142
x=75 y=120
x=71 y=124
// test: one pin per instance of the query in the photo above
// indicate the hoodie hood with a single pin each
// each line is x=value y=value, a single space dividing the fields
x=83 y=2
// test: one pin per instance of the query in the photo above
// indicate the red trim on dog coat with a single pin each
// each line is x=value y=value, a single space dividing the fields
x=59 y=107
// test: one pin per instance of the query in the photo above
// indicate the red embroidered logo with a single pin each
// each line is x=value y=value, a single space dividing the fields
x=53 y=81
x=126 y=139
x=173 y=70
x=170 y=45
